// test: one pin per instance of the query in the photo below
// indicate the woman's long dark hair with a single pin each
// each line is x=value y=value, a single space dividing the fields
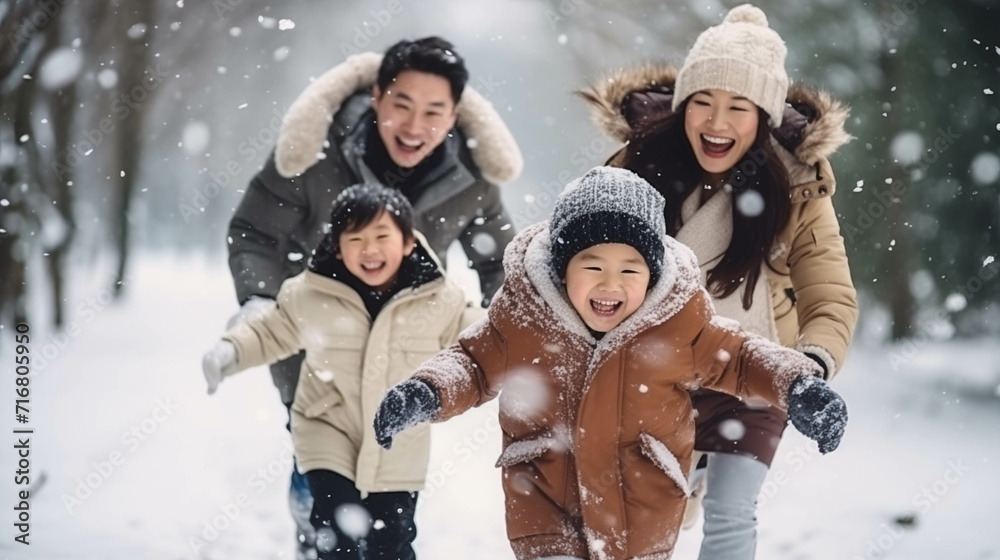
x=660 y=153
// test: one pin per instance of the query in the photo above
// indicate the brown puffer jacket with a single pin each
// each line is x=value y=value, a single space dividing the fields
x=598 y=435
x=814 y=302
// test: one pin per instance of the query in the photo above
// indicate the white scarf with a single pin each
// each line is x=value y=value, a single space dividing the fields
x=707 y=231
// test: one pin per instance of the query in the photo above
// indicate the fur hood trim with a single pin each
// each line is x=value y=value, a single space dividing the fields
x=535 y=295
x=306 y=125
x=820 y=138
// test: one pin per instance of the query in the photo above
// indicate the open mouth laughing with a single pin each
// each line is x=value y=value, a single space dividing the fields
x=372 y=268
x=605 y=307
x=409 y=146
x=716 y=146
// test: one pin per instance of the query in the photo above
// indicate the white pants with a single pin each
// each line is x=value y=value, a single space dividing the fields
x=730 y=503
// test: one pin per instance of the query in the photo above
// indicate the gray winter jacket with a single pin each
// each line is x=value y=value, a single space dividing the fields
x=284 y=211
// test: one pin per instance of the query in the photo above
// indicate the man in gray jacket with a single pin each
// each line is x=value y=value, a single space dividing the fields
x=405 y=120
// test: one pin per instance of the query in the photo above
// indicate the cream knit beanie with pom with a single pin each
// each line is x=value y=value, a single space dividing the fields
x=741 y=55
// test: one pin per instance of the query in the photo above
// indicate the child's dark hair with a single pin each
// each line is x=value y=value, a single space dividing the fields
x=432 y=55
x=359 y=205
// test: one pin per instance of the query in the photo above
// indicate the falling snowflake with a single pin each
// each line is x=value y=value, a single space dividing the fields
x=107 y=78
x=985 y=168
x=137 y=31
x=60 y=68
x=955 y=303
x=750 y=204
x=732 y=429
x=907 y=147
x=195 y=137
x=353 y=520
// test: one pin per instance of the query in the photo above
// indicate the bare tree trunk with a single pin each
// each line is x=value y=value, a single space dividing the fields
x=14 y=245
x=902 y=306
x=17 y=32
x=130 y=138
x=61 y=109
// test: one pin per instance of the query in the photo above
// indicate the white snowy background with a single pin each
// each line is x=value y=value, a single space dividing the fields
x=923 y=443
x=930 y=427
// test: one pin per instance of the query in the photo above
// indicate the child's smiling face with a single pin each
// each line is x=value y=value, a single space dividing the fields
x=606 y=283
x=375 y=252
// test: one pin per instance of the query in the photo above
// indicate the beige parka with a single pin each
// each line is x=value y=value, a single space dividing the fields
x=350 y=363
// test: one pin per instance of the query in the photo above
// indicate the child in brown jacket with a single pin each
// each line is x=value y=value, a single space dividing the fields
x=598 y=334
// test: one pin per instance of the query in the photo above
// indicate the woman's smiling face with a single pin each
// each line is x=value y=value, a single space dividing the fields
x=721 y=127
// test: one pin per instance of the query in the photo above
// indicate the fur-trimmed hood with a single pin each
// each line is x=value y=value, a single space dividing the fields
x=306 y=125
x=813 y=133
x=536 y=295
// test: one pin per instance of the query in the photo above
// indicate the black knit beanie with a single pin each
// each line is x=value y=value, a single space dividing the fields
x=608 y=205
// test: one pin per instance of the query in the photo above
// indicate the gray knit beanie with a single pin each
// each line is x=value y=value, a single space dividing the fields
x=608 y=205
x=741 y=55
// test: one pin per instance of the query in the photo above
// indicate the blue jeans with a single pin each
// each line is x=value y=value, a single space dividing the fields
x=734 y=482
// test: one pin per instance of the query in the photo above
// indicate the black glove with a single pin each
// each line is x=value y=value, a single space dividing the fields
x=817 y=411
x=407 y=404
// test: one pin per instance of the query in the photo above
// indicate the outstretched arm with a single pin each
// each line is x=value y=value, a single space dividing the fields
x=462 y=376
x=270 y=335
x=745 y=365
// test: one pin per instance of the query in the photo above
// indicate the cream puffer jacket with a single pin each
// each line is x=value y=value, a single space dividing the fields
x=350 y=363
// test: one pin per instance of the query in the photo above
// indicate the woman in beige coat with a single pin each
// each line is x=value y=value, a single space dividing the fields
x=742 y=160
x=371 y=307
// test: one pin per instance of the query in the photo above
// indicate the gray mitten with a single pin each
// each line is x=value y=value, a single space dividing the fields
x=407 y=404
x=817 y=411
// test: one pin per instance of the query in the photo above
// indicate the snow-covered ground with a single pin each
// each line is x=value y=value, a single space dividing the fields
x=140 y=463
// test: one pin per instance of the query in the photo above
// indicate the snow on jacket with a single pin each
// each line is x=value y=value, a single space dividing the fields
x=814 y=304
x=318 y=155
x=350 y=362
x=598 y=434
